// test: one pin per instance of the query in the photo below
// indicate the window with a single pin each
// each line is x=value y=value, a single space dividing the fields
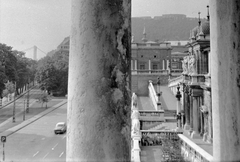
x=142 y=66
x=204 y=63
x=155 y=66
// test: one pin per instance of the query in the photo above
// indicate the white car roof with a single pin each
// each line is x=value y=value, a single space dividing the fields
x=60 y=123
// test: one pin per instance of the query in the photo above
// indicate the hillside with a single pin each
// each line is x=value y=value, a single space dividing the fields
x=162 y=28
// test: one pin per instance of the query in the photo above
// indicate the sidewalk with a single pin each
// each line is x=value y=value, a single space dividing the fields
x=36 y=111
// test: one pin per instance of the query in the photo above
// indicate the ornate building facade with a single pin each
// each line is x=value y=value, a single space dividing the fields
x=196 y=83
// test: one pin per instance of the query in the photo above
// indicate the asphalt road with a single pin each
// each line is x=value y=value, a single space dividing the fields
x=37 y=141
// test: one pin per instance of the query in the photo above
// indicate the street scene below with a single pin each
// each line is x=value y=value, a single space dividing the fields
x=31 y=137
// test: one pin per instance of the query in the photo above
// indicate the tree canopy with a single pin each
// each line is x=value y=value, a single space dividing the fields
x=52 y=72
x=15 y=67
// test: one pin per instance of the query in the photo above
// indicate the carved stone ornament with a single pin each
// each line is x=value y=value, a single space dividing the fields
x=135 y=114
x=192 y=64
x=134 y=101
x=204 y=109
x=185 y=65
x=135 y=127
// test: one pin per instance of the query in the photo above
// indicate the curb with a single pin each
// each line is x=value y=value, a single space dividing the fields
x=25 y=123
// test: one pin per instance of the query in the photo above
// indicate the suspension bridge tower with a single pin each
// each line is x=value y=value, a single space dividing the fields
x=35 y=53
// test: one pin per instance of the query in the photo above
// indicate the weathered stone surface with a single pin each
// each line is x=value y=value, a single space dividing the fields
x=225 y=71
x=99 y=81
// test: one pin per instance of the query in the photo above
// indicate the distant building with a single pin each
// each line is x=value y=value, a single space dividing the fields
x=196 y=84
x=63 y=47
x=179 y=50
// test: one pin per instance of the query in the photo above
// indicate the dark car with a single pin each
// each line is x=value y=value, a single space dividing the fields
x=60 y=128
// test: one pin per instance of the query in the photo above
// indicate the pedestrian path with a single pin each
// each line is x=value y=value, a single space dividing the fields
x=168 y=100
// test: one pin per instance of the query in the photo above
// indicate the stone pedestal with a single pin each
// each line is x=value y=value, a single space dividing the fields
x=225 y=71
x=99 y=95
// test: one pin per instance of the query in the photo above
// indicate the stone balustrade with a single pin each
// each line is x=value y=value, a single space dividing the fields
x=192 y=152
x=135 y=131
x=174 y=82
x=151 y=115
x=152 y=94
x=146 y=71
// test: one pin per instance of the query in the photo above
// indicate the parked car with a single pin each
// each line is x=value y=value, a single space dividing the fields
x=60 y=128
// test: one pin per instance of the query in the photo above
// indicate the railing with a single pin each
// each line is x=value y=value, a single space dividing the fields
x=153 y=95
x=151 y=115
x=174 y=82
x=146 y=71
x=176 y=70
x=192 y=152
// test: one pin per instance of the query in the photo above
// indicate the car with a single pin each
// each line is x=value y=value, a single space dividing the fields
x=60 y=128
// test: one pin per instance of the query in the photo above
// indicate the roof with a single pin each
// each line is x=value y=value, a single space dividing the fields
x=206 y=28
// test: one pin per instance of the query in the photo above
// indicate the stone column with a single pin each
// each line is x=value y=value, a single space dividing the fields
x=186 y=110
x=149 y=66
x=163 y=64
x=191 y=114
x=167 y=64
x=131 y=64
x=225 y=71
x=195 y=117
x=209 y=63
x=135 y=64
x=99 y=81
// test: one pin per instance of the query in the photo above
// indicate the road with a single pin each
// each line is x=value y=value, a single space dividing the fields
x=37 y=141
x=7 y=111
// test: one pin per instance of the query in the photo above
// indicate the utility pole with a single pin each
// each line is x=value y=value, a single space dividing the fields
x=14 y=103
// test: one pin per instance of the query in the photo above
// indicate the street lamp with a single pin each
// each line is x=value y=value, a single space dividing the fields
x=178 y=96
x=159 y=93
x=14 y=102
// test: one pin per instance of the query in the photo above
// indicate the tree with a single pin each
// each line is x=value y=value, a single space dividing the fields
x=52 y=72
x=8 y=66
x=26 y=70
x=44 y=98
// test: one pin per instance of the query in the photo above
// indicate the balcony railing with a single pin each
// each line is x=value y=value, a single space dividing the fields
x=192 y=152
x=151 y=115
x=145 y=71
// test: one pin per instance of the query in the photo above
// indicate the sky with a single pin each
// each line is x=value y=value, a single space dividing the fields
x=45 y=23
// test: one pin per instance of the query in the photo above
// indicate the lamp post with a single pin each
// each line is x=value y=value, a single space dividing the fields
x=159 y=93
x=178 y=96
x=14 y=103
x=27 y=109
x=24 y=110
